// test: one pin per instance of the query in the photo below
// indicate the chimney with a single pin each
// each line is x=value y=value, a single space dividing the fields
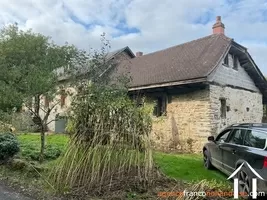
x=138 y=54
x=218 y=27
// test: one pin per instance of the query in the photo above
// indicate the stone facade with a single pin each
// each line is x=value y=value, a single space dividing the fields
x=186 y=125
x=194 y=116
x=227 y=75
x=242 y=106
x=264 y=119
x=61 y=110
x=243 y=99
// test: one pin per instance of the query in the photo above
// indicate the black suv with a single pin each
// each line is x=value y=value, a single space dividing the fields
x=237 y=144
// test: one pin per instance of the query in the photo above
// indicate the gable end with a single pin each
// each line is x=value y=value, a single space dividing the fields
x=237 y=69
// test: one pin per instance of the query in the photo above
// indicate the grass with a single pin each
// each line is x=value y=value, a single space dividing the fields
x=184 y=167
x=30 y=146
x=59 y=140
x=188 y=167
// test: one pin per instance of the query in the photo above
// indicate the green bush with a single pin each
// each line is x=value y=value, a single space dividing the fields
x=9 y=146
x=52 y=152
x=30 y=146
x=109 y=137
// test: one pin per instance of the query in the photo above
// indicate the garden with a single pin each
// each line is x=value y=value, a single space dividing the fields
x=106 y=153
x=29 y=176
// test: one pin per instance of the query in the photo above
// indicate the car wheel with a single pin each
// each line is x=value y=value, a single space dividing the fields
x=206 y=159
x=244 y=183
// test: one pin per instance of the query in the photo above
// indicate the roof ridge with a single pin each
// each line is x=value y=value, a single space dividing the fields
x=186 y=61
x=195 y=40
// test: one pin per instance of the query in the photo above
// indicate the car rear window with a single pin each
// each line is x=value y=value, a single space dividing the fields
x=256 y=139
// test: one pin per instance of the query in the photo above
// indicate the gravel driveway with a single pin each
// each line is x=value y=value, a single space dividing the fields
x=7 y=193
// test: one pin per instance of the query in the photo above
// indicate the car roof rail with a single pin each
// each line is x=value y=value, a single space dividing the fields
x=261 y=125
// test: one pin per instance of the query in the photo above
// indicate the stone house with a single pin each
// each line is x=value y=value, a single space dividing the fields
x=62 y=101
x=197 y=88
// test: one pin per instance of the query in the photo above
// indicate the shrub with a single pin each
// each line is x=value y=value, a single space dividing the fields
x=70 y=126
x=52 y=152
x=31 y=152
x=9 y=146
x=109 y=144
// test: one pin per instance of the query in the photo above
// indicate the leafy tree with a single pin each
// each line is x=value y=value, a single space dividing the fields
x=28 y=62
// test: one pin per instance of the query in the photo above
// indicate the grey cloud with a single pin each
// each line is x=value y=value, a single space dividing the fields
x=161 y=24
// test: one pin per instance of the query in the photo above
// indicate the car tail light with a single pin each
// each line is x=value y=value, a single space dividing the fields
x=265 y=162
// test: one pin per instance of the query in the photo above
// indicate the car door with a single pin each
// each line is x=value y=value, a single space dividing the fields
x=233 y=149
x=215 y=149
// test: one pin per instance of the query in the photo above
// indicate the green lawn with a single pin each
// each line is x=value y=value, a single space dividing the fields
x=30 y=146
x=188 y=167
x=184 y=167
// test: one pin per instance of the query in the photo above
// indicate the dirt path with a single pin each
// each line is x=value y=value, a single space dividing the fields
x=7 y=193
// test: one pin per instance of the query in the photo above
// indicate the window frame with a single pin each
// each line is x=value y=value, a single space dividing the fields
x=223 y=133
x=223 y=108
x=63 y=97
x=46 y=102
x=161 y=106
x=226 y=58
x=235 y=62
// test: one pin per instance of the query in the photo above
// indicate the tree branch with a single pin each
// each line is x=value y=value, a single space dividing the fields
x=49 y=111
x=53 y=120
x=32 y=111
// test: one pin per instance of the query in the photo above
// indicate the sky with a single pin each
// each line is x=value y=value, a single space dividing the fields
x=143 y=25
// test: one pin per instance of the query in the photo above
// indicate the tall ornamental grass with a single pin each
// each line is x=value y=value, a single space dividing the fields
x=109 y=147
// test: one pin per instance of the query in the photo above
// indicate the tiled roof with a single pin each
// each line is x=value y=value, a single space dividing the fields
x=84 y=69
x=191 y=60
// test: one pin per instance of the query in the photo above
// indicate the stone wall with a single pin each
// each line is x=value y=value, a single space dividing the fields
x=242 y=106
x=227 y=75
x=194 y=116
x=187 y=124
x=62 y=110
x=58 y=109
x=264 y=119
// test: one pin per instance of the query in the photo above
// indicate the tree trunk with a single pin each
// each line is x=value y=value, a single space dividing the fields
x=41 y=158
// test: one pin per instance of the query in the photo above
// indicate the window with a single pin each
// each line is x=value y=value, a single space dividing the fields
x=160 y=106
x=223 y=136
x=237 y=136
x=256 y=139
x=235 y=62
x=46 y=102
x=226 y=60
x=223 y=108
x=63 y=98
